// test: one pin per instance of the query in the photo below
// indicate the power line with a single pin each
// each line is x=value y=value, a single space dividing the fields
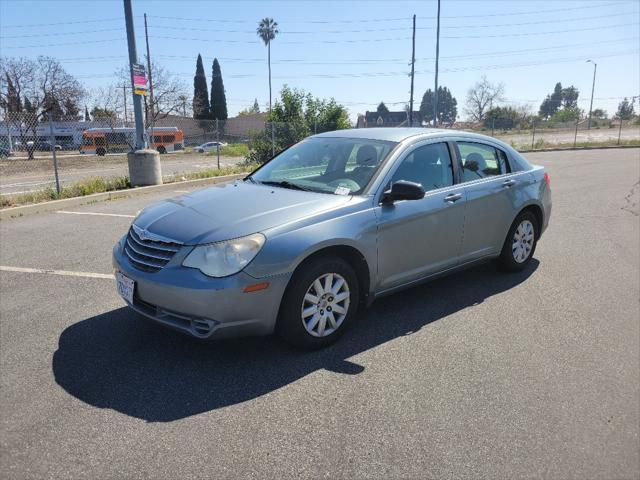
x=532 y=12
x=403 y=73
x=350 y=61
x=369 y=40
x=533 y=34
x=320 y=22
x=61 y=34
x=385 y=20
x=67 y=43
x=395 y=29
x=75 y=22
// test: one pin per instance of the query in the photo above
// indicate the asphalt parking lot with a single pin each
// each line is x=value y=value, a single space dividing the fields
x=478 y=375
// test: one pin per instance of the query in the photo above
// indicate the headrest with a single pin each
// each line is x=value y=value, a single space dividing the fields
x=367 y=155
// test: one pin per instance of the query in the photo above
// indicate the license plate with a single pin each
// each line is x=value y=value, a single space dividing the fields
x=125 y=286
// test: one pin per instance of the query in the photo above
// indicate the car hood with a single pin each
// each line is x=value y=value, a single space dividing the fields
x=231 y=210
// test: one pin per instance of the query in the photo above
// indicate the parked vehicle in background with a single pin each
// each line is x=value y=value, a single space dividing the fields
x=100 y=141
x=45 y=146
x=209 y=147
x=327 y=226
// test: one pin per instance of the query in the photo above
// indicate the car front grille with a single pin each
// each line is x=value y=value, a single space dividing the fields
x=148 y=254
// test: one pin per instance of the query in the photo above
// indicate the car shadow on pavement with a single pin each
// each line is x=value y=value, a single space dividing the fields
x=118 y=360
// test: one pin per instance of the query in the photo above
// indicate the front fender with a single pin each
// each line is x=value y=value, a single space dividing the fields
x=289 y=245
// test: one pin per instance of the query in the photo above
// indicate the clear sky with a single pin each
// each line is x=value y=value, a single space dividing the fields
x=355 y=51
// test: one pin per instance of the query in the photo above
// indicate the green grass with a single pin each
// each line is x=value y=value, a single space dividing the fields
x=213 y=172
x=232 y=150
x=100 y=185
x=77 y=189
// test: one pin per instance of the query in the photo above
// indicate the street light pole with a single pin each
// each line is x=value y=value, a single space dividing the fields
x=413 y=63
x=593 y=86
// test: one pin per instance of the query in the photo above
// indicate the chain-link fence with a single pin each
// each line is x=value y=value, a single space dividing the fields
x=536 y=134
x=40 y=153
x=43 y=154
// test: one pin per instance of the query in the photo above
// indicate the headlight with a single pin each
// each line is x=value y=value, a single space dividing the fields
x=225 y=258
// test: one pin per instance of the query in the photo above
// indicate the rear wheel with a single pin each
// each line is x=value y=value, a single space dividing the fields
x=319 y=304
x=101 y=152
x=520 y=244
x=162 y=150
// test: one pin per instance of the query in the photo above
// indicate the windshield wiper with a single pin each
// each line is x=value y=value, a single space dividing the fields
x=286 y=184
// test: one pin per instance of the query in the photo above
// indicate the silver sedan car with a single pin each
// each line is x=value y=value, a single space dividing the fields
x=326 y=227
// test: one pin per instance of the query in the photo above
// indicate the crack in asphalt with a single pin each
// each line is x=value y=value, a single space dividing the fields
x=631 y=205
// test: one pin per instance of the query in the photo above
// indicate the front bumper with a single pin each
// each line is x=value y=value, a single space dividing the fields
x=187 y=300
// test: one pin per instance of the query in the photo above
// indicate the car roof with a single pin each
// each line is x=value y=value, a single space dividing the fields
x=399 y=134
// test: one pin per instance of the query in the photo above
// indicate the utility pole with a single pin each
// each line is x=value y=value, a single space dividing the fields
x=151 y=104
x=435 y=92
x=413 y=62
x=593 y=86
x=133 y=59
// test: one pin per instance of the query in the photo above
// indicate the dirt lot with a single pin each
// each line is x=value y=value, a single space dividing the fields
x=19 y=175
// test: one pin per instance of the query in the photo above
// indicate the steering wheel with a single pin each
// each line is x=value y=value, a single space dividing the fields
x=345 y=182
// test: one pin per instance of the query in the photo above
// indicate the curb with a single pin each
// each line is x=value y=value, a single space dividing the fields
x=23 y=210
x=566 y=149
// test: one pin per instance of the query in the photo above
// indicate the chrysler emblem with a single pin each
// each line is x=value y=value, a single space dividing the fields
x=146 y=235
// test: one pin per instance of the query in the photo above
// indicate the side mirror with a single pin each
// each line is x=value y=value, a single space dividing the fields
x=403 y=190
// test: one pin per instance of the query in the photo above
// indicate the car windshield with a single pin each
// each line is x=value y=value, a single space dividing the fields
x=342 y=166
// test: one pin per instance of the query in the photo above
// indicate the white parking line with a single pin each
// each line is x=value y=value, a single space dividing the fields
x=181 y=191
x=57 y=272
x=97 y=213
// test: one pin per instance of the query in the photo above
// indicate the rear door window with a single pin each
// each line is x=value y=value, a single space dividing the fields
x=481 y=161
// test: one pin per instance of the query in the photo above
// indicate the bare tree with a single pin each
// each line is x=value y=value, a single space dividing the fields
x=169 y=92
x=482 y=95
x=16 y=75
x=107 y=104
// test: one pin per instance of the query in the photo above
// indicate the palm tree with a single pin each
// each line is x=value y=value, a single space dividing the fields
x=267 y=31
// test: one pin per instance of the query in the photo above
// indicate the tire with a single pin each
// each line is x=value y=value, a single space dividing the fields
x=101 y=152
x=327 y=324
x=520 y=244
x=162 y=150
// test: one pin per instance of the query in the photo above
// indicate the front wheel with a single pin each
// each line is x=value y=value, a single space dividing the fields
x=520 y=244
x=319 y=304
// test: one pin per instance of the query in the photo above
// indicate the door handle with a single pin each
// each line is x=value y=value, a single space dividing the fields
x=453 y=197
x=509 y=183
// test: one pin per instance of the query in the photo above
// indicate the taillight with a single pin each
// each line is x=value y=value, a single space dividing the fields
x=547 y=179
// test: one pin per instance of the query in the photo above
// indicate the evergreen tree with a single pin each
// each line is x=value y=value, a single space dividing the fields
x=447 y=106
x=556 y=97
x=71 y=110
x=52 y=106
x=256 y=107
x=87 y=117
x=200 y=92
x=218 y=97
x=570 y=97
